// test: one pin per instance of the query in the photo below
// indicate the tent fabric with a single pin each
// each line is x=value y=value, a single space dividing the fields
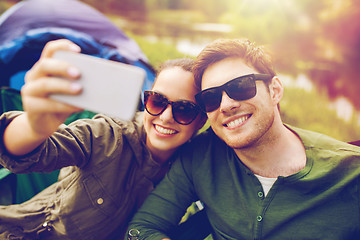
x=18 y=55
x=8 y=183
x=25 y=28
x=72 y=14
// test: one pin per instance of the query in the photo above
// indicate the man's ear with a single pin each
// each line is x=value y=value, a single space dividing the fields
x=276 y=90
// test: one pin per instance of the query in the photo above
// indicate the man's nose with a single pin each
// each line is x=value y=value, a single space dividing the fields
x=227 y=103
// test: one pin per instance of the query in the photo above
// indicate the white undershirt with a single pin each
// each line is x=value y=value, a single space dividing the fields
x=266 y=183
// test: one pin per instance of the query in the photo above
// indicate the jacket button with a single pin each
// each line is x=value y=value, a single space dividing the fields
x=47 y=225
x=100 y=201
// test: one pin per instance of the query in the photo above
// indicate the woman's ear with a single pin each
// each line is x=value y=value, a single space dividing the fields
x=276 y=90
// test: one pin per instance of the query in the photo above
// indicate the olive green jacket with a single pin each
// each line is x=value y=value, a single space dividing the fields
x=106 y=174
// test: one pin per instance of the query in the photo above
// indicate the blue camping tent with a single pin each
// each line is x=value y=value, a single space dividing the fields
x=28 y=25
x=24 y=30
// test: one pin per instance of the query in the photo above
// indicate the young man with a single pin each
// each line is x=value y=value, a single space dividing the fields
x=109 y=166
x=257 y=178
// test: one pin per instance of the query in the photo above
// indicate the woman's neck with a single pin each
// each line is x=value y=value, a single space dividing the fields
x=159 y=155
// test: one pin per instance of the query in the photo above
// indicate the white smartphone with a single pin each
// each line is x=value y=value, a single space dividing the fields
x=109 y=87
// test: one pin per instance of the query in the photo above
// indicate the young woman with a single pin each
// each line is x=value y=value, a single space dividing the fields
x=108 y=166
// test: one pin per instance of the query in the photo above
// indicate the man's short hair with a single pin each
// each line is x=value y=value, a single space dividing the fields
x=220 y=49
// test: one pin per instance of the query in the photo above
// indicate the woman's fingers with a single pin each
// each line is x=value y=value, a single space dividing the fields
x=45 y=86
x=35 y=95
x=61 y=44
x=47 y=66
x=46 y=105
x=51 y=76
x=52 y=67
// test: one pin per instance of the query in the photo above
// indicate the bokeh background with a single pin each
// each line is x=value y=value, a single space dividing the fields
x=315 y=45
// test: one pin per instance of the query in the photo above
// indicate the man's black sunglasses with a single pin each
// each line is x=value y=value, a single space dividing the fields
x=184 y=112
x=240 y=88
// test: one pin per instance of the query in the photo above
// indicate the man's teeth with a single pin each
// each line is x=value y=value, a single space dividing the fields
x=164 y=130
x=237 y=122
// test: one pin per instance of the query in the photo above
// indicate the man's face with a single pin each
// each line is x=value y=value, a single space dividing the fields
x=239 y=123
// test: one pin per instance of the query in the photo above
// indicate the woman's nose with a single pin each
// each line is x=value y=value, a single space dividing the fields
x=166 y=115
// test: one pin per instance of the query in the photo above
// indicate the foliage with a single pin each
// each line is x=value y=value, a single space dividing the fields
x=318 y=38
x=134 y=9
x=4 y=6
x=157 y=52
x=300 y=108
x=323 y=34
x=176 y=16
x=310 y=110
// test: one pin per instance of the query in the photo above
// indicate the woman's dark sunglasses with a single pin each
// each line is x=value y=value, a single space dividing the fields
x=184 y=112
x=239 y=89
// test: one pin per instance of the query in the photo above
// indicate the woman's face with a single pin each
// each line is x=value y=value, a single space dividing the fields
x=164 y=134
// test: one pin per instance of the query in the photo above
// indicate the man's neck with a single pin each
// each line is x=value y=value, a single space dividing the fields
x=280 y=153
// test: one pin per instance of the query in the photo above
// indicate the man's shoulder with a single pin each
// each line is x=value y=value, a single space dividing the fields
x=319 y=141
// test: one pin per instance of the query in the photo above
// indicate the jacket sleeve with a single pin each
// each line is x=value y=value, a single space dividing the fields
x=71 y=145
x=164 y=207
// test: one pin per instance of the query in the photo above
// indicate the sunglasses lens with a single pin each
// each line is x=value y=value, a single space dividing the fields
x=210 y=99
x=155 y=103
x=241 y=89
x=184 y=112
